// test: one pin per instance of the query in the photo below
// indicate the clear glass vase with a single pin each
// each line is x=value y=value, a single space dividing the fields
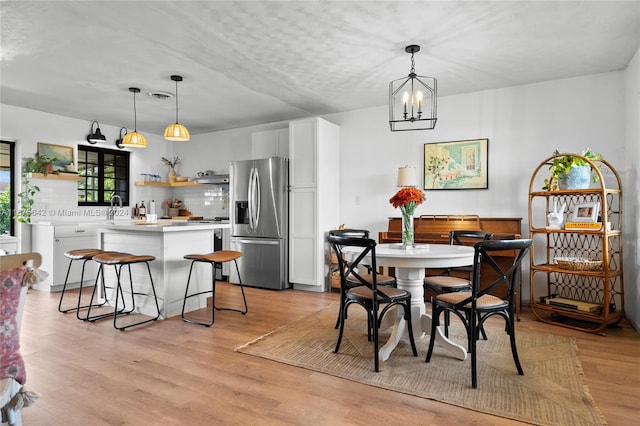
x=407 y=229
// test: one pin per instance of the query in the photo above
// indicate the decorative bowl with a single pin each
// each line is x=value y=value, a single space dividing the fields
x=182 y=178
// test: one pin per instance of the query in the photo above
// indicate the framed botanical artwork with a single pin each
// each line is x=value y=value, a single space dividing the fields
x=456 y=165
x=586 y=212
x=64 y=155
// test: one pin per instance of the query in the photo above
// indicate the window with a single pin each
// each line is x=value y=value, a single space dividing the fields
x=7 y=187
x=105 y=173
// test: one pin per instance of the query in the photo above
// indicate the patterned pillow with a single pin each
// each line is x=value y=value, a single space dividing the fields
x=11 y=364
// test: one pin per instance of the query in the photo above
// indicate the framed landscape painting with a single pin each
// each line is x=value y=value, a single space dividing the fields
x=64 y=155
x=456 y=165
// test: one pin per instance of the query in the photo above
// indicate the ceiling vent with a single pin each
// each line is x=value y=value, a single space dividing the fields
x=163 y=96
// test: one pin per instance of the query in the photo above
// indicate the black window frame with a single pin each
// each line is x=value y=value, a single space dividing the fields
x=122 y=180
x=13 y=174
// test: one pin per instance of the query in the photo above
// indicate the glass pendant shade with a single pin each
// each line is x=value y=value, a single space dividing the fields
x=134 y=140
x=176 y=132
x=412 y=100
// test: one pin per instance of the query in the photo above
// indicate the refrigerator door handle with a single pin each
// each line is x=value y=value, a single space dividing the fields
x=250 y=197
x=257 y=242
x=256 y=212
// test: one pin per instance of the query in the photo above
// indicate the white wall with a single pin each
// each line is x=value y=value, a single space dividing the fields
x=632 y=182
x=524 y=125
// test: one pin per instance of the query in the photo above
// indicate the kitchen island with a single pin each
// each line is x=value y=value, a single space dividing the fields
x=168 y=241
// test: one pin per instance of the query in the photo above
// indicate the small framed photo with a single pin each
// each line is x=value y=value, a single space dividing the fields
x=586 y=212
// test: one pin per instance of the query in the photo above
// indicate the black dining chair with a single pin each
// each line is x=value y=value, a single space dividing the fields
x=366 y=269
x=447 y=283
x=474 y=307
x=376 y=300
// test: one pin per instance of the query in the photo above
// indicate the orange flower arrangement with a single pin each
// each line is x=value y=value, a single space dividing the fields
x=407 y=199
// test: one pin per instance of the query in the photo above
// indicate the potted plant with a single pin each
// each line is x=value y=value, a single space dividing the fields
x=571 y=172
x=40 y=164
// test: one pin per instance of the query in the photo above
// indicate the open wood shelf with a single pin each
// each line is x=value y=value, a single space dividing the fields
x=166 y=184
x=61 y=176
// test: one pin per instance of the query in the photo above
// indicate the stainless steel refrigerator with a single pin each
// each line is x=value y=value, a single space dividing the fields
x=259 y=208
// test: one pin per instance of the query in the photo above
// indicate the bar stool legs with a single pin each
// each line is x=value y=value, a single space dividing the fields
x=118 y=260
x=80 y=254
x=215 y=259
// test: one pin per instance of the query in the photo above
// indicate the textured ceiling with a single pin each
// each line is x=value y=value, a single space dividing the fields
x=247 y=62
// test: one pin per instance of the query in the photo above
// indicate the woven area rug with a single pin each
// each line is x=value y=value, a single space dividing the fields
x=551 y=392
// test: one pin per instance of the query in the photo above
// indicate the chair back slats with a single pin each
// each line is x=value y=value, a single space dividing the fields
x=485 y=252
x=458 y=237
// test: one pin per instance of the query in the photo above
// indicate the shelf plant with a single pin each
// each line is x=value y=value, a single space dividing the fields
x=562 y=165
x=40 y=164
x=36 y=164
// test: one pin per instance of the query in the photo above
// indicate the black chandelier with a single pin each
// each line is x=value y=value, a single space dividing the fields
x=412 y=100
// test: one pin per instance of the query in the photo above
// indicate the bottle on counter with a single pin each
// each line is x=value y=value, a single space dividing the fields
x=136 y=211
x=142 y=212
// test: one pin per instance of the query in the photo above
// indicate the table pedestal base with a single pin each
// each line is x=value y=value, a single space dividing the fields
x=411 y=279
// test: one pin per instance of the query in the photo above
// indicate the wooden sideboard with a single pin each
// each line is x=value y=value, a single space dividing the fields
x=434 y=229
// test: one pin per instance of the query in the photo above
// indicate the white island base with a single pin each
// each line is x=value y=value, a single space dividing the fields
x=168 y=243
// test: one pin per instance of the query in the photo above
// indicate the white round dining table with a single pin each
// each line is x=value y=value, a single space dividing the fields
x=410 y=264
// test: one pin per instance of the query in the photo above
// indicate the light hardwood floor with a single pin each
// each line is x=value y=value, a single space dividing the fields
x=173 y=373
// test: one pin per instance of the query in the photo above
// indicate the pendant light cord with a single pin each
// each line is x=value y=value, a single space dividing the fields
x=176 y=101
x=135 y=114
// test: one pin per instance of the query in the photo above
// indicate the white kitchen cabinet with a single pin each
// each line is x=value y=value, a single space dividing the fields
x=314 y=200
x=270 y=143
x=52 y=241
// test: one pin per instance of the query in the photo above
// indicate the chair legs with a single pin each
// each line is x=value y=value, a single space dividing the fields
x=474 y=326
x=78 y=306
x=373 y=328
x=118 y=260
x=213 y=294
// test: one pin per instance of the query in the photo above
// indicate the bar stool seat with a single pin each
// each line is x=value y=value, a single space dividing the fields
x=78 y=254
x=216 y=259
x=118 y=260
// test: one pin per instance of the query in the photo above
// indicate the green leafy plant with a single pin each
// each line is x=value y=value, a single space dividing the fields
x=40 y=164
x=562 y=165
x=25 y=199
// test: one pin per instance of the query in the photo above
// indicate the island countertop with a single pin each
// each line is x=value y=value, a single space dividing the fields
x=161 y=226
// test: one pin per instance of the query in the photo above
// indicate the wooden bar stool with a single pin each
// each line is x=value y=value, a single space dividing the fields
x=84 y=255
x=118 y=260
x=215 y=259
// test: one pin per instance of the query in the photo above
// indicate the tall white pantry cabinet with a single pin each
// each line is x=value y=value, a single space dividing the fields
x=314 y=207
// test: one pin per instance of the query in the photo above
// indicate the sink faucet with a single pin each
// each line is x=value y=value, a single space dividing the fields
x=111 y=211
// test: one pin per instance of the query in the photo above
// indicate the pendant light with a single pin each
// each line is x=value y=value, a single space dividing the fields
x=412 y=100
x=134 y=139
x=176 y=132
x=95 y=136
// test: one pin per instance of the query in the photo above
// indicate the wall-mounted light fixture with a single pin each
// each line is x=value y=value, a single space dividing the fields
x=134 y=139
x=412 y=100
x=176 y=132
x=407 y=176
x=95 y=136
x=122 y=135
